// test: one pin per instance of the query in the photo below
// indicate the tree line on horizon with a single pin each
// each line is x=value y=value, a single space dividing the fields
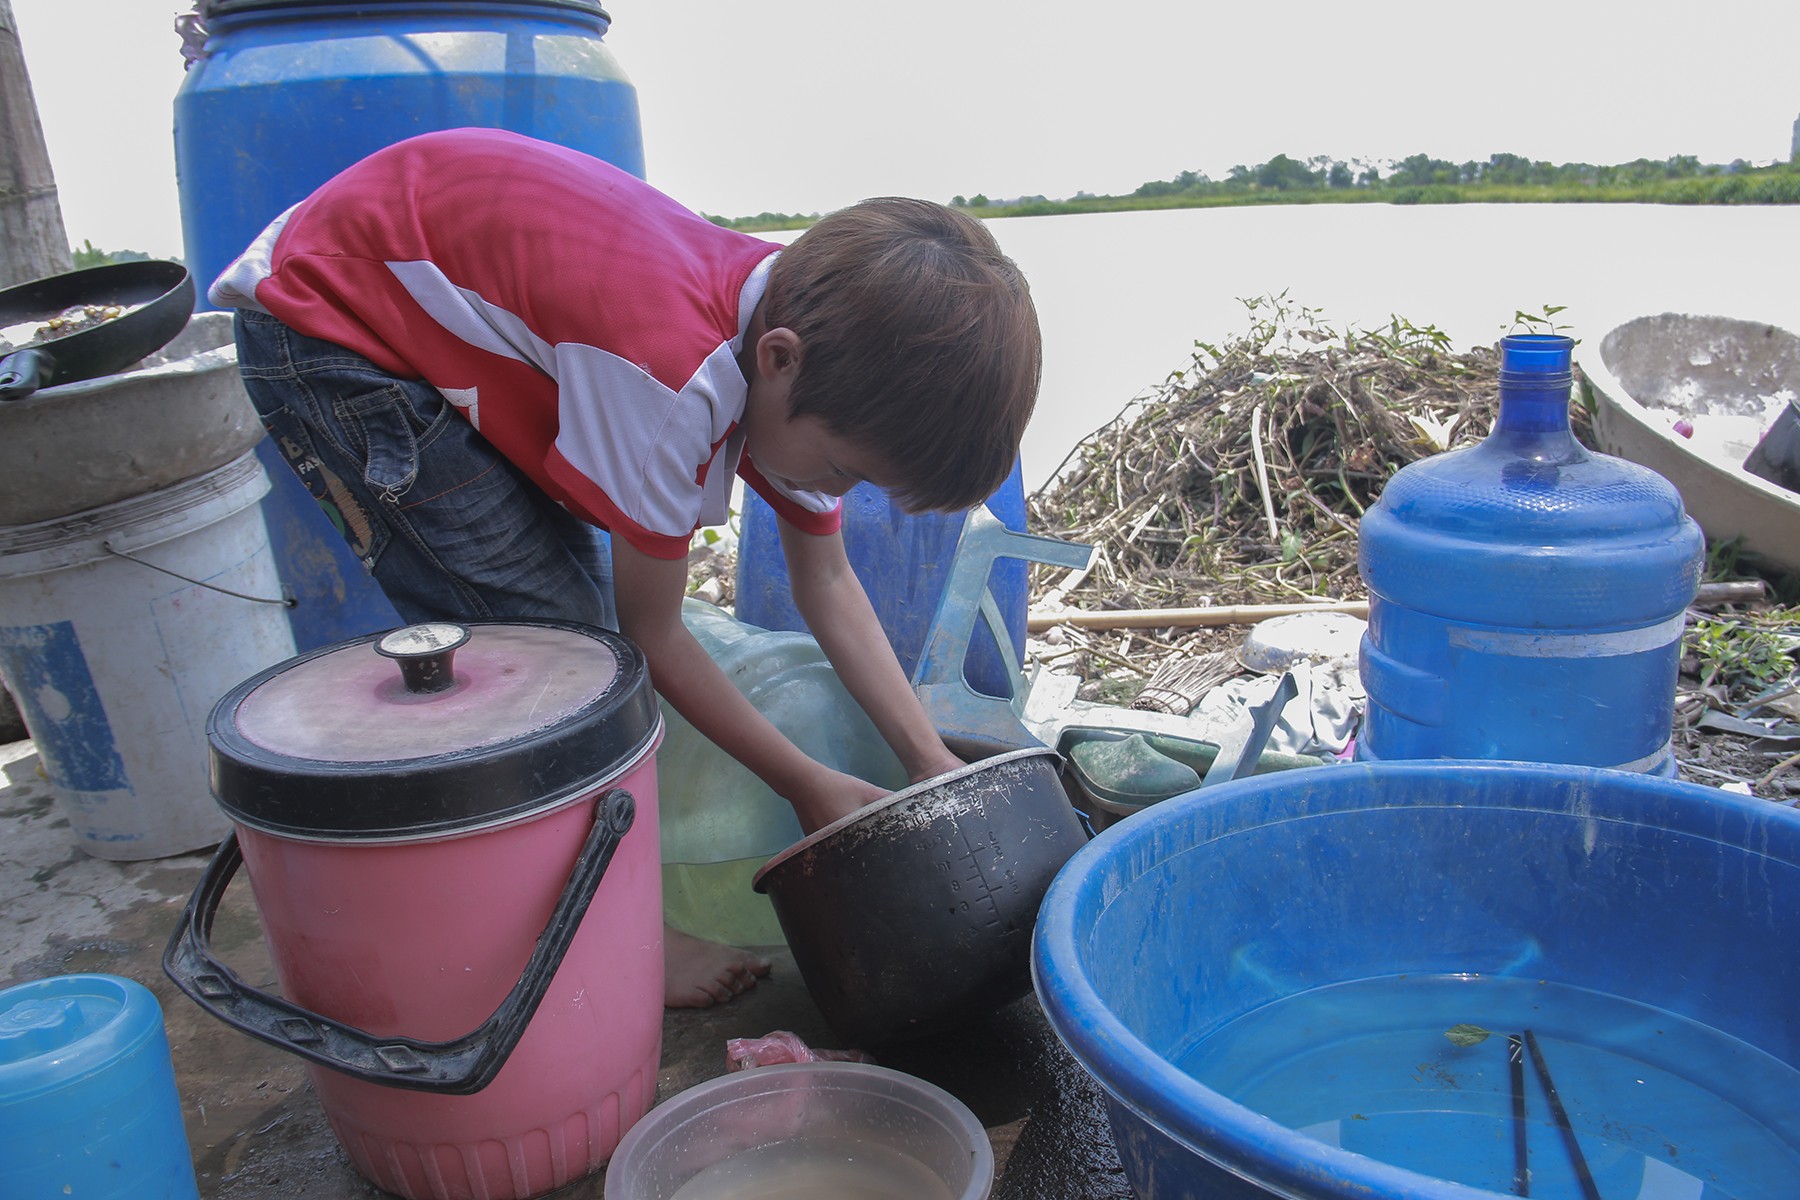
x=1418 y=179
x=1283 y=173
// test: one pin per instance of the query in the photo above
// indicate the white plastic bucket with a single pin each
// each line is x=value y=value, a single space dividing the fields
x=118 y=634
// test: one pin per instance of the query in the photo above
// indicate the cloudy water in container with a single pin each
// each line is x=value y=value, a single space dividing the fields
x=1418 y=1072
x=1723 y=429
x=816 y=1168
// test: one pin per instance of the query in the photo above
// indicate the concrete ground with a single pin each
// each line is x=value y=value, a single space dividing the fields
x=256 y=1129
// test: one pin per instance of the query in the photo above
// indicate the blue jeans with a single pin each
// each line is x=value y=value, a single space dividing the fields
x=449 y=529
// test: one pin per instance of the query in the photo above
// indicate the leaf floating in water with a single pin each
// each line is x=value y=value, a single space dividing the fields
x=1468 y=1035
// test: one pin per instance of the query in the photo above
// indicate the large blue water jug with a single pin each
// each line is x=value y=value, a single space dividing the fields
x=88 y=1103
x=903 y=560
x=1526 y=596
x=288 y=93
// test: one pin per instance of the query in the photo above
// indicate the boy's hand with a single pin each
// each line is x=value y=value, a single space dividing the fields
x=940 y=762
x=830 y=795
x=649 y=593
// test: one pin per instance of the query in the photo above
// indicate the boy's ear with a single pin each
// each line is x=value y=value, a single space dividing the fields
x=778 y=354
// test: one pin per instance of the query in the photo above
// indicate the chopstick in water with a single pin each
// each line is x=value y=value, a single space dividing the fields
x=1582 y=1175
x=1515 y=1059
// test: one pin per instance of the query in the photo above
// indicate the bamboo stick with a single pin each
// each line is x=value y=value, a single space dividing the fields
x=1160 y=618
x=1738 y=591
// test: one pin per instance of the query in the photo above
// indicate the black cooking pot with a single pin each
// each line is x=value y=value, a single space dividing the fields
x=157 y=298
x=915 y=915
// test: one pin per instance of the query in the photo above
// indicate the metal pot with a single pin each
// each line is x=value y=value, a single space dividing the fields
x=158 y=299
x=916 y=914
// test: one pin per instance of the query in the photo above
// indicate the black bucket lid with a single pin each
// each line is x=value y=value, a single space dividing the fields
x=431 y=729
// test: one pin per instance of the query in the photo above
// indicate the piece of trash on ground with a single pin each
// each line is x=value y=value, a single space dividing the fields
x=741 y=1054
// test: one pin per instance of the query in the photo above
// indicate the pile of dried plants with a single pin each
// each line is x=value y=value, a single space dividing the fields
x=1242 y=479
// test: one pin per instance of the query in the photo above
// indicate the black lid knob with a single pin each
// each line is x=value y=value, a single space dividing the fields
x=425 y=653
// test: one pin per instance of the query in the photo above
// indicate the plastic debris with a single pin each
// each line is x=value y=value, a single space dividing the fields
x=1320 y=720
x=1274 y=645
x=1133 y=769
x=742 y=1054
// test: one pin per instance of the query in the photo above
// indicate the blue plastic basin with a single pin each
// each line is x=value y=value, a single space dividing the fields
x=1663 y=914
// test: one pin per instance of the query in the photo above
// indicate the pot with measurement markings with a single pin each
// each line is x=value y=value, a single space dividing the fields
x=915 y=914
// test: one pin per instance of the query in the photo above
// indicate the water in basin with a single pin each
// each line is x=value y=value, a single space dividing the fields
x=1660 y=1107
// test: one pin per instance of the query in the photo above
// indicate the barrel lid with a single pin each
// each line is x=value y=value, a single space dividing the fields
x=231 y=8
x=62 y=1030
x=430 y=729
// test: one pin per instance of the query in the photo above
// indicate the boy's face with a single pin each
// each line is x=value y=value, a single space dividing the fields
x=802 y=455
x=799 y=453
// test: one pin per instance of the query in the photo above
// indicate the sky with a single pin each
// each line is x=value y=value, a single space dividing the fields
x=808 y=105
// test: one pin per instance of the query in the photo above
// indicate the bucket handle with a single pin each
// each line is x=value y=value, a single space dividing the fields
x=457 y=1067
x=286 y=599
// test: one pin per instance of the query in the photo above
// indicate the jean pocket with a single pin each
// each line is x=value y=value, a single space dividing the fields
x=383 y=429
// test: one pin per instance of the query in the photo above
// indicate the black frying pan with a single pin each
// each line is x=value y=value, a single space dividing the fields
x=158 y=298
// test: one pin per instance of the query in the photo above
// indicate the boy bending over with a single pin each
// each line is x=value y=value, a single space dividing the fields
x=478 y=350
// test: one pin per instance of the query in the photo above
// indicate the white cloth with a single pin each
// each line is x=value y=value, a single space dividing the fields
x=1319 y=720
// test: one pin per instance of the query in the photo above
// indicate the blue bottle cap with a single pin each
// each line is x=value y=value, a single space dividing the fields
x=1535 y=358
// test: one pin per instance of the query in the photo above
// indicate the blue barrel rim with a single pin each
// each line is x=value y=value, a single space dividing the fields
x=1237 y=1138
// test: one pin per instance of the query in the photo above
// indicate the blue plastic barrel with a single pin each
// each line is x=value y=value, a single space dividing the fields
x=903 y=560
x=1526 y=596
x=88 y=1105
x=289 y=93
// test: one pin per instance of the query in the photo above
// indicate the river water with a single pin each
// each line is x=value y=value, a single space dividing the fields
x=1122 y=297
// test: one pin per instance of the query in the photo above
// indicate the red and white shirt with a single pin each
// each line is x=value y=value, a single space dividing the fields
x=584 y=322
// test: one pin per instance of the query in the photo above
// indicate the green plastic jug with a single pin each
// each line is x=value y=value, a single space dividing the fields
x=720 y=823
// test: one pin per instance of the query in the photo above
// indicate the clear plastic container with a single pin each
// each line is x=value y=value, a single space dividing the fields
x=771 y=1131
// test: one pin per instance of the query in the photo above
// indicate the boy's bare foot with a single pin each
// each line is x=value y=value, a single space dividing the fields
x=700 y=974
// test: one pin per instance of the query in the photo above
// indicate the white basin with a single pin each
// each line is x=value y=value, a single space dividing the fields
x=179 y=413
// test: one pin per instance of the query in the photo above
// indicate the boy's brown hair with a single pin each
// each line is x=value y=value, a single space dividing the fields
x=918 y=340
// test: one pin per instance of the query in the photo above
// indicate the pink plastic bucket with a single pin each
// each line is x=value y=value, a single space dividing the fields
x=407 y=846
